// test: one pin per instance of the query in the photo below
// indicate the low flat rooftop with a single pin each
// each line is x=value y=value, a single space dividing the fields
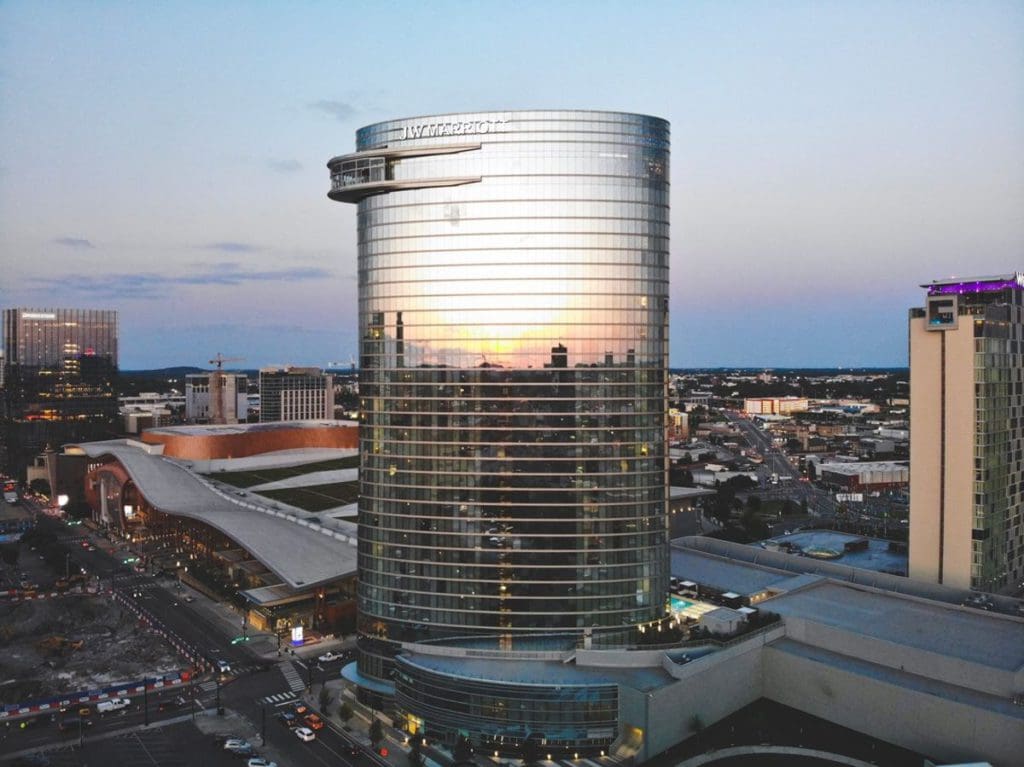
x=724 y=574
x=905 y=679
x=299 y=552
x=876 y=556
x=676 y=493
x=849 y=469
x=969 y=635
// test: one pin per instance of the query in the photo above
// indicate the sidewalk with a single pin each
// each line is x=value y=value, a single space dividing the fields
x=358 y=728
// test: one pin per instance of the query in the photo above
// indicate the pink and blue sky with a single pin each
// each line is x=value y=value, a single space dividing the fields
x=168 y=160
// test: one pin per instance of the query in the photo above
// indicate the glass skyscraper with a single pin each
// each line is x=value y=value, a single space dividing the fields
x=60 y=369
x=513 y=309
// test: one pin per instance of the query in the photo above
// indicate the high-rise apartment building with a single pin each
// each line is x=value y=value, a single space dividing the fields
x=202 y=391
x=296 y=394
x=967 y=433
x=513 y=294
x=60 y=369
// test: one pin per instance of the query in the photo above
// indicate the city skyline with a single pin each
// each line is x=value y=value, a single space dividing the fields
x=168 y=162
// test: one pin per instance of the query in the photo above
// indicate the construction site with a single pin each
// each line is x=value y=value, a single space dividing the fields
x=72 y=643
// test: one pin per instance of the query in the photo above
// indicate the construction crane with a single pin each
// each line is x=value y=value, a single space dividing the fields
x=217 y=387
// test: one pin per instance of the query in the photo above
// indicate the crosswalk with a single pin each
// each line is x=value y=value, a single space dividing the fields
x=208 y=686
x=292 y=677
x=279 y=699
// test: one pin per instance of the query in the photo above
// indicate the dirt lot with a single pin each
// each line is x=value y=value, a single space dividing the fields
x=115 y=648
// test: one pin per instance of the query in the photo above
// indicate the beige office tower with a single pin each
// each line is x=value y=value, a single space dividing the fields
x=967 y=434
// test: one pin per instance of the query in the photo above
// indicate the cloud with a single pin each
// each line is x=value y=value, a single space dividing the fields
x=284 y=166
x=152 y=285
x=339 y=110
x=233 y=247
x=74 y=242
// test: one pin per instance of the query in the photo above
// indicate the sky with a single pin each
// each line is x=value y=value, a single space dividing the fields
x=168 y=160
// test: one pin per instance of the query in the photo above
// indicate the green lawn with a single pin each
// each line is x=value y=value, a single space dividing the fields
x=316 y=497
x=259 y=476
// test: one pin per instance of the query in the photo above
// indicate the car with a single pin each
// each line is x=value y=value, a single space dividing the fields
x=259 y=761
x=222 y=666
x=353 y=749
x=301 y=709
x=314 y=722
x=69 y=723
x=288 y=719
x=305 y=734
x=180 y=702
x=189 y=598
x=330 y=655
x=236 y=744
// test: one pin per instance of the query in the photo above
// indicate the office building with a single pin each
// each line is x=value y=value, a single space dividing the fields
x=967 y=433
x=513 y=292
x=60 y=370
x=202 y=391
x=295 y=394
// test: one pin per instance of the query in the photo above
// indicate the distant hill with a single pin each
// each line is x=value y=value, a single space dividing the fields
x=175 y=372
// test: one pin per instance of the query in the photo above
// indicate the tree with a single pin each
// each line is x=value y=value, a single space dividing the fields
x=696 y=724
x=463 y=750
x=754 y=502
x=9 y=554
x=415 y=752
x=40 y=485
x=376 y=732
x=345 y=711
x=325 y=698
x=529 y=750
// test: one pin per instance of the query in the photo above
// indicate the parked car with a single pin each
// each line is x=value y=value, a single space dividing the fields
x=305 y=734
x=259 y=761
x=238 y=746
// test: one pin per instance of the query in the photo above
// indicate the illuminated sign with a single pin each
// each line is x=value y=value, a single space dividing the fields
x=459 y=128
x=38 y=316
x=297 y=635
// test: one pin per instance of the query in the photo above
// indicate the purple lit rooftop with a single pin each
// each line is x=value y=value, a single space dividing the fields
x=1013 y=281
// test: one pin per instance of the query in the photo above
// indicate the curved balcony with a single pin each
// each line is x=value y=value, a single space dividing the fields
x=361 y=174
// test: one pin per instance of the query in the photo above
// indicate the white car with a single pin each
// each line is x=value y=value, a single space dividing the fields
x=259 y=761
x=236 y=744
x=328 y=656
x=305 y=734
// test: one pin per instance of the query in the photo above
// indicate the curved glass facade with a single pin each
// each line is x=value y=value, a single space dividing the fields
x=513 y=304
x=564 y=714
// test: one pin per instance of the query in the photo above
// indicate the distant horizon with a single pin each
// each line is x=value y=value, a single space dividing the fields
x=708 y=369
